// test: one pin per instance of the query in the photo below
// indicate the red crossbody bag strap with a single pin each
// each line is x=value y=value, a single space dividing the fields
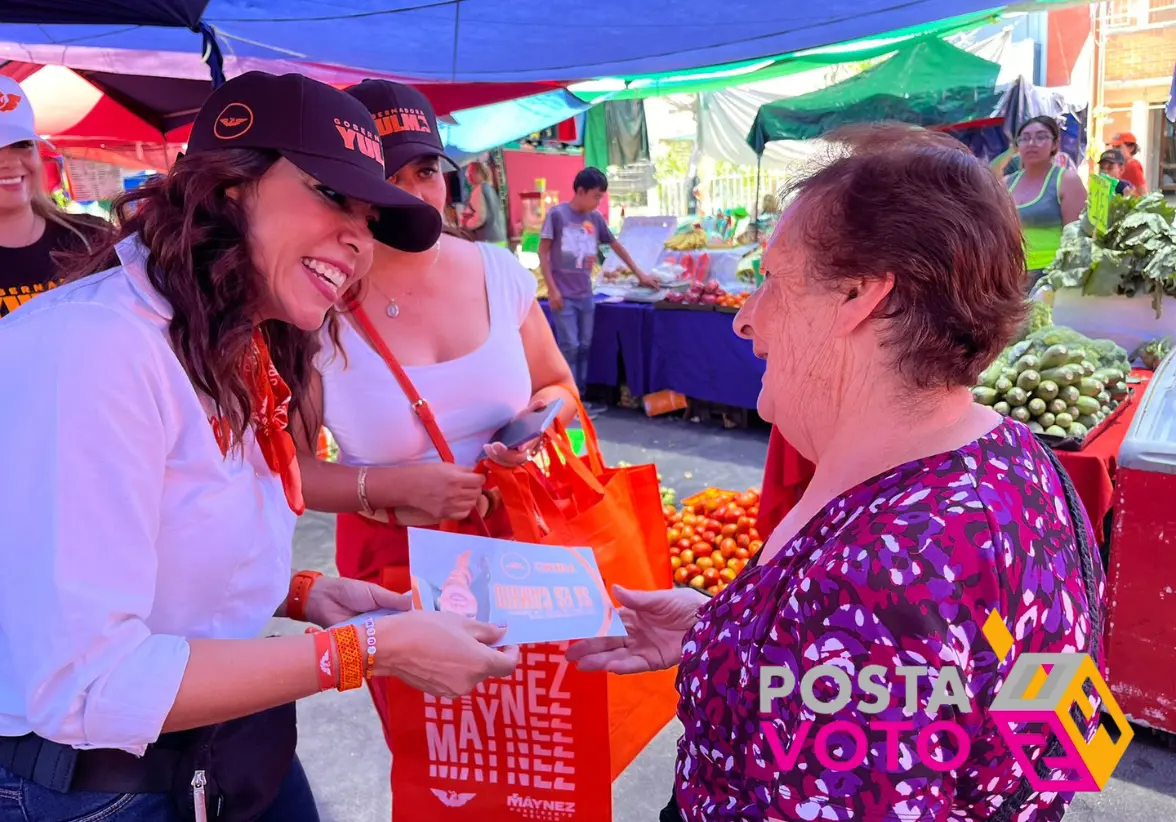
x=420 y=405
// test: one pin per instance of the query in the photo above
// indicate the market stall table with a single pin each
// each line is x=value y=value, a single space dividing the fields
x=621 y=336
x=1092 y=470
x=698 y=354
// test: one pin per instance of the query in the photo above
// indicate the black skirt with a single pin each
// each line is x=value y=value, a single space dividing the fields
x=671 y=812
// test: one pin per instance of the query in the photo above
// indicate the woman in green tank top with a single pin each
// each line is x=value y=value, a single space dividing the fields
x=1047 y=195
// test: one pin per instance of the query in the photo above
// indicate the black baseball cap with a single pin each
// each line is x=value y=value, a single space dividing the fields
x=405 y=121
x=1113 y=156
x=327 y=134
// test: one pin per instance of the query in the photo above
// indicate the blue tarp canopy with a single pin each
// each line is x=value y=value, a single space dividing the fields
x=474 y=40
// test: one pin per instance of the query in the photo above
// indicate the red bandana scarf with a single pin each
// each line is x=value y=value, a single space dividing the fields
x=270 y=420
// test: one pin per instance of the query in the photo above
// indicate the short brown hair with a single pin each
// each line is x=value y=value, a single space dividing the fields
x=918 y=205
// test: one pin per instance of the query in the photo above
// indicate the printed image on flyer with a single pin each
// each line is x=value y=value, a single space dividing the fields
x=541 y=593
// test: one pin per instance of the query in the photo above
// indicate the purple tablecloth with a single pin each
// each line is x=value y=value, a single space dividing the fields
x=695 y=353
x=621 y=336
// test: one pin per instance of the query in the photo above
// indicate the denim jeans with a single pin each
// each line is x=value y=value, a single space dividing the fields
x=573 y=332
x=24 y=801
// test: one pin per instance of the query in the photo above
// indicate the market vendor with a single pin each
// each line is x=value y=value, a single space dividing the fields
x=34 y=233
x=1048 y=196
x=926 y=513
x=1112 y=163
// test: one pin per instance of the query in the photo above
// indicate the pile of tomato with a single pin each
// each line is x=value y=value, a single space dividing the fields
x=712 y=537
x=732 y=300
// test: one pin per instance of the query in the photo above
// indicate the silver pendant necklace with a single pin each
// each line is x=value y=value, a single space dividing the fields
x=393 y=310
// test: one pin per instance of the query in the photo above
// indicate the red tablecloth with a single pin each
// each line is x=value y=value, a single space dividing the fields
x=1092 y=470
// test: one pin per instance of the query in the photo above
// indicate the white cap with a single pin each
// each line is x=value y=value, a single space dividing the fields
x=16 y=114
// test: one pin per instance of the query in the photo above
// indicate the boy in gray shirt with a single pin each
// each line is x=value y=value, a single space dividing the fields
x=572 y=235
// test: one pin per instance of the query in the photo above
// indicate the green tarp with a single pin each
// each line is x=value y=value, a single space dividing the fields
x=713 y=78
x=927 y=82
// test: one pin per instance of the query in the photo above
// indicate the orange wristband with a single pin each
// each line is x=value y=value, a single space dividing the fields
x=350 y=657
x=300 y=587
x=325 y=660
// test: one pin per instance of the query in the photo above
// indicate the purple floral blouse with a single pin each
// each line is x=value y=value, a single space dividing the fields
x=902 y=570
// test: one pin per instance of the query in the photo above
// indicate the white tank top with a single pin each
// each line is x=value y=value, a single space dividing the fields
x=472 y=396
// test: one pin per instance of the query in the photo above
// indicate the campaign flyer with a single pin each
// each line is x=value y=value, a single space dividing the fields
x=541 y=593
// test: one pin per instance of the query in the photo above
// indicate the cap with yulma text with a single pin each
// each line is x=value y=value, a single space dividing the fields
x=326 y=133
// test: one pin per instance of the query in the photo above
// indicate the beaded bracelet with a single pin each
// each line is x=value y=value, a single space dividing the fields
x=369 y=625
x=350 y=657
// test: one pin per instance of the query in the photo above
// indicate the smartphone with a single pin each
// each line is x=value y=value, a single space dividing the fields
x=530 y=426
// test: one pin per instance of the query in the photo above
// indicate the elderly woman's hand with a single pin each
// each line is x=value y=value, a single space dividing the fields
x=657 y=622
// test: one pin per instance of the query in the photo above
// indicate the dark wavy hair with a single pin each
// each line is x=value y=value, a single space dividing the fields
x=197 y=240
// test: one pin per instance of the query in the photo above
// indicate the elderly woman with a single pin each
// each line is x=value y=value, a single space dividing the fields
x=894 y=277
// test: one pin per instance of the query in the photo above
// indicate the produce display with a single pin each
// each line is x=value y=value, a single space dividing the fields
x=1136 y=254
x=1056 y=381
x=708 y=293
x=696 y=239
x=1152 y=353
x=712 y=537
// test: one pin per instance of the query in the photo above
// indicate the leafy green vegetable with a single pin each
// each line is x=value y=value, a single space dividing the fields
x=1136 y=254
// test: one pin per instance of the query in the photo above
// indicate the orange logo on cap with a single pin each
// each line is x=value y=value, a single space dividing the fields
x=9 y=102
x=357 y=138
x=396 y=120
x=233 y=121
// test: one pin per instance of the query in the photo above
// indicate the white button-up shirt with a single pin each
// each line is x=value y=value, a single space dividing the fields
x=126 y=532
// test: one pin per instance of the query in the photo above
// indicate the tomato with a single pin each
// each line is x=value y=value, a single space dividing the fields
x=753 y=533
x=734 y=512
x=721 y=512
x=755 y=547
x=673 y=535
x=697 y=582
x=692 y=568
x=675 y=551
x=743 y=540
x=700 y=509
x=687 y=532
x=710 y=575
x=703 y=549
x=681 y=576
x=684 y=544
x=727 y=530
x=714 y=525
x=687 y=556
x=753 y=512
x=675 y=563
x=728 y=574
x=746 y=500
x=744 y=524
x=728 y=547
x=714 y=589
x=719 y=562
x=709 y=537
x=742 y=554
x=689 y=519
x=668 y=511
x=704 y=563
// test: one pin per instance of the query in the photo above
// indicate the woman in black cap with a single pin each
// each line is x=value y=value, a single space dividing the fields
x=151 y=487
x=460 y=325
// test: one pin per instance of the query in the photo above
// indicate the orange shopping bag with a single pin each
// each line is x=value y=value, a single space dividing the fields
x=534 y=747
x=617 y=512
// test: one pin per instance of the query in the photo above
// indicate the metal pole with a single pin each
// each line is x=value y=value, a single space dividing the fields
x=759 y=160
